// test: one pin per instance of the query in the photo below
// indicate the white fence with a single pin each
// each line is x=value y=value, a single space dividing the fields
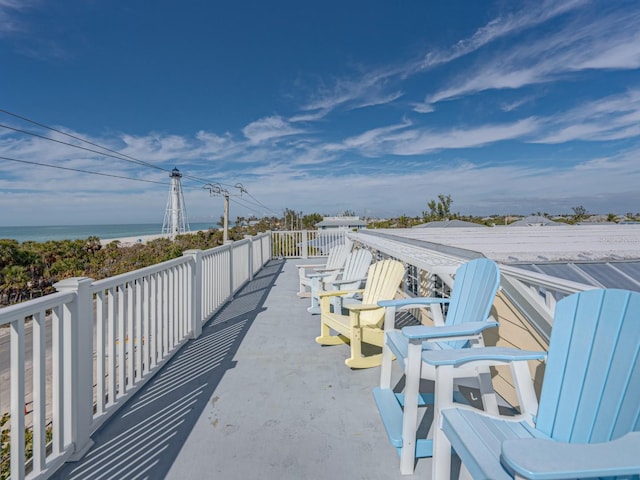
x=306 y=243
x=77 y=355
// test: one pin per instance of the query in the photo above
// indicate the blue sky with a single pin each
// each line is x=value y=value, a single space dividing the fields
x=375 y=107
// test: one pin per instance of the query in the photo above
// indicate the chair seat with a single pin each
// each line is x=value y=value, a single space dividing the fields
x=477 y=439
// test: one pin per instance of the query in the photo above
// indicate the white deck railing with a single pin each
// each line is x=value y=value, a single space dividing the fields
x=306 y=243
x=94 y=343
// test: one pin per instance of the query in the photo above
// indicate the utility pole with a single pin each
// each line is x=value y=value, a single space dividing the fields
x=215 y=189
x=225 y=237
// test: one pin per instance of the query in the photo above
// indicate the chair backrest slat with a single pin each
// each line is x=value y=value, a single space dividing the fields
x=474 y=288
x=337 y=256
x=591 y=389
x=383 y=281
x=355 y=268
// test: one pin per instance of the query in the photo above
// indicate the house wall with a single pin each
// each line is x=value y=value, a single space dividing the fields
x=515 y=332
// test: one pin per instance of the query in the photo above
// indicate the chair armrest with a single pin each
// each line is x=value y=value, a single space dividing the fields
x=318 y=275
x=353 y=280
x=331 y=270
x=413 y=302
x=314 y=265
x=543 y=459
x=422 y=332
x=498 y=355
x=358 y=307
x=338 y=293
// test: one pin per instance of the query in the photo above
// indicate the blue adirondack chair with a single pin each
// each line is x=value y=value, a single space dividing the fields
x=475 y=285
x=587 y=424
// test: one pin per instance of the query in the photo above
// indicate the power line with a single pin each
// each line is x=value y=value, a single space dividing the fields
x=141 y=162
x=81 y=171
x=260 y=203
x=137 y=162
x=118 y=156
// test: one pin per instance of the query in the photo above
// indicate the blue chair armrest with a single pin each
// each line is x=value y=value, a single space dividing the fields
x=418 y=302
x=466 y=355
x=543 y=459
x=421 y=332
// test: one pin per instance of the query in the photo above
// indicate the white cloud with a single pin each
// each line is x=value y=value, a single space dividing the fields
x=269 y=128
x=611 y=118
x=372 y=87
x=610 y=41
x=419 y=141
x=10 y=10
x=533 y=14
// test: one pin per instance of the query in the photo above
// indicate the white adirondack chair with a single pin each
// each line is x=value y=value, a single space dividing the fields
x=352 y=277
x=333 y=266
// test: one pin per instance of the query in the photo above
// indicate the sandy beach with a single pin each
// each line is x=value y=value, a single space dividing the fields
x=127 y=241
x=141 y=239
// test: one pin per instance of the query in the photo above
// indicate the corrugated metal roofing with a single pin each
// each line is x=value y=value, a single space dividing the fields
x=625 y=275
x=605 y=256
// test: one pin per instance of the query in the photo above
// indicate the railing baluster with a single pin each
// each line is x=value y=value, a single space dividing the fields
x=111 y=345
x=146 y=314
x=100 y=353
x=130 y=336
x=57 y=379
x=17 y=398
x=39 y=367
x=137 y=340
x=122 y=370
x=165 y=313
x=154 y=321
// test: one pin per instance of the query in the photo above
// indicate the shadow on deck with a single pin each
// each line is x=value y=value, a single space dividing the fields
x=254 y=397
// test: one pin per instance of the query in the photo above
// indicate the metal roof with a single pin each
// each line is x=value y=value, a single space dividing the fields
x=605 y=256
x=625 y=275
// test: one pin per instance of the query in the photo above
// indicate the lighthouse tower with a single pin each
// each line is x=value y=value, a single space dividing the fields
x=175 y=216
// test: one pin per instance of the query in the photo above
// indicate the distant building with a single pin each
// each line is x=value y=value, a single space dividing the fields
x=348 y=223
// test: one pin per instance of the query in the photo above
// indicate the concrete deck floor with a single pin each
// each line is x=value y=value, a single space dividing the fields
x=253 y=398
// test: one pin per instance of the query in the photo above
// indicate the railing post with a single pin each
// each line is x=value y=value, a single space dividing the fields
x=78 y=365
x=196 y=293
x=248 y=237
x=305 y=243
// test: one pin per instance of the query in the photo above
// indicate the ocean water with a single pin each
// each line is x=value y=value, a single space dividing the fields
x=73 y=232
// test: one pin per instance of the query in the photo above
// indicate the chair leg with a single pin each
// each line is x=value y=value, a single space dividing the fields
x=326 y=338
x=410 y=413
x=315 y=303
x=441 y=464
x=387 y=357
x=364 y=362
x=488 y=394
